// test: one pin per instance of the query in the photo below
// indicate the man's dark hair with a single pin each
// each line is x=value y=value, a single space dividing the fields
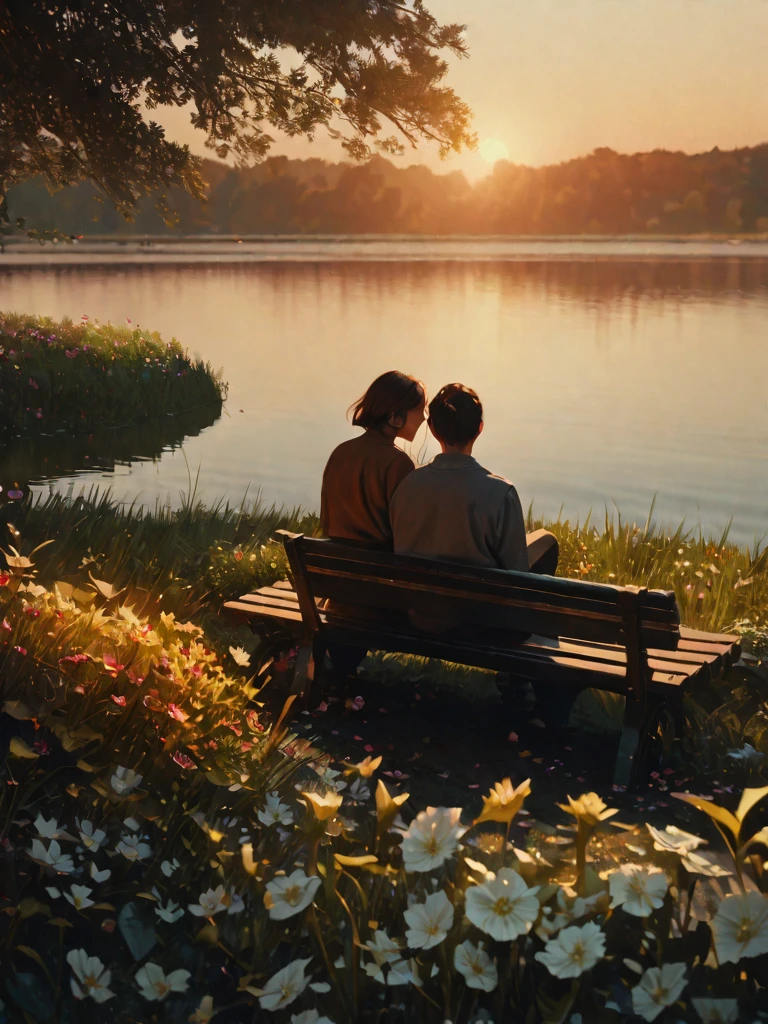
x=455 y=414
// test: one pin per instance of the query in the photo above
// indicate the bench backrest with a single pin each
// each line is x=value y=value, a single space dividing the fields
x=547 y=605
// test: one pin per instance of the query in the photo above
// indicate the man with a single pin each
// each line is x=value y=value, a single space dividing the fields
x=454 y=510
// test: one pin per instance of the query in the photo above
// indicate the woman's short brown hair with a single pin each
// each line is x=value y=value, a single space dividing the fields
x=455 y=414
x=391 y=394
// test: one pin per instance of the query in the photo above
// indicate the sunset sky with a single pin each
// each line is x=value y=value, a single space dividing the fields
x=552 y=79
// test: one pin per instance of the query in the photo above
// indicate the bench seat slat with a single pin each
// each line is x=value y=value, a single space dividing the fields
x=269 y=611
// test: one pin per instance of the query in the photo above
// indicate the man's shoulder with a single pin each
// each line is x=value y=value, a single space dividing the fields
x=494 y=480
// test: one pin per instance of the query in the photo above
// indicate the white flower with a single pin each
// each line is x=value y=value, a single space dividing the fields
x=503 y=907
x=132 y=824
x=740 y=927
x=477 y=967
x=359 y=791
x=169 y=866
x=275 y=812
x=214 y=901
x=204 y=1012
x=92 y=839
x=240 y=656
x=124 y=780
x=717 y=1011
x=52 y=857
x=704 y=864
x=285 y=986
x=79 y=897
x=384 y=949
x=53 y=892
x=98 y=876
x=290 y=894
x=748 y=754
x=429 y=922
x=574 y=951
x=638 y=890
x=659 y=987
x=155 y=984
x=330 y=777
x=432 y=838
x=309 y=1017
x=673 y=840
x=46 y=829
x=402 y=972
x=89 y=977
x=170 y=912
x=132 y=848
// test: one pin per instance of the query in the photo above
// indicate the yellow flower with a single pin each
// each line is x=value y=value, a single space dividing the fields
x=504 y=801
x=589 y=809
x=325 y=807
x=364 y=768
x=387 y=806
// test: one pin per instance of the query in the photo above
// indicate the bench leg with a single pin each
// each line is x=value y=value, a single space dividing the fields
x=309 y=663
x=637 y=736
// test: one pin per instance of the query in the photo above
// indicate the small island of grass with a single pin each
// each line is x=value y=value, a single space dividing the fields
x=85 y=377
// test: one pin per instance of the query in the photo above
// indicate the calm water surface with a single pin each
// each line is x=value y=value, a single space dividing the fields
x=604 y=380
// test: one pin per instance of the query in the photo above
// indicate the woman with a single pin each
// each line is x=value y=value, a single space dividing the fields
x=362 y=474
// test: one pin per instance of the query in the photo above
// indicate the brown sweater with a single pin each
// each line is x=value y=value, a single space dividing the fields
x=358 y=483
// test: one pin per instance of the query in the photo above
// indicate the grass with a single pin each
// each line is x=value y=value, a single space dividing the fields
x=63 y=376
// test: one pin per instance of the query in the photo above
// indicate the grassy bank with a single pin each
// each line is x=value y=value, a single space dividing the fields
x=87 y=376
x=147 y=874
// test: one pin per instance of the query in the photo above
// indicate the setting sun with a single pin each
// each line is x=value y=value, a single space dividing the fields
x=492 y=150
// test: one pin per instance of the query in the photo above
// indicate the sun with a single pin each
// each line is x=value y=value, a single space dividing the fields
x=492 y=150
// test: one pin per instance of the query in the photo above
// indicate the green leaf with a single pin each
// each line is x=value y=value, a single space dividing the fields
x=719 y=814
x=30 y=996
x=18 y=709
x=19 y=748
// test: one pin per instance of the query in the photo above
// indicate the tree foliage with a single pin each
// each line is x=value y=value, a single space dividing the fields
x=77 y=76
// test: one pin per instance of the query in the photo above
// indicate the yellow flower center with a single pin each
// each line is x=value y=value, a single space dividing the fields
x=91 y=982
x=503 y=906
x=577 y=953
x=636 y=886
x=433 y=929
x=431 y=846
x=476 y=968
x=292 y=895
x=162 y=988
x=746 y=930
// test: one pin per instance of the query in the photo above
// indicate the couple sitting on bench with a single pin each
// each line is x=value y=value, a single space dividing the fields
x=450 y=510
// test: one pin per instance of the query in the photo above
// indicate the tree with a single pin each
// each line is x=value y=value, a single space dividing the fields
x=76 y=77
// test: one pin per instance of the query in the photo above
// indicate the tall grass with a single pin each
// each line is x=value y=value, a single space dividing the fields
x=91 y=376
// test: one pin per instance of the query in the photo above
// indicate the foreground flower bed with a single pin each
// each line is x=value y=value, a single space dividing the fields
x=90 y=376
x=170 y=853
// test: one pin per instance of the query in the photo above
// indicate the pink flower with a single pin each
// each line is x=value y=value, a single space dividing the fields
x=21 y=650
x=75 y=659
x=112 y=666
x=120 y=701
x=175 y=712
x=5 y=579
x=183 y=761
x=238 y=556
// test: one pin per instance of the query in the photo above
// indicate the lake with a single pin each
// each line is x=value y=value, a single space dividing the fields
x=610 y=372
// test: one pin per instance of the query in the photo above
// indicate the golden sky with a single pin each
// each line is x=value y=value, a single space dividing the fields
x=552 y=79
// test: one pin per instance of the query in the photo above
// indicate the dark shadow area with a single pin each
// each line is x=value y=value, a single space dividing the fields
x=37 y=459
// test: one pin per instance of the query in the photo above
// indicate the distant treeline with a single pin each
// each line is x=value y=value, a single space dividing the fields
x=603 y=193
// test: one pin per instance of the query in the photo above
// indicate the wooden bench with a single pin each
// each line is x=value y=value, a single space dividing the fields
x=626 y=640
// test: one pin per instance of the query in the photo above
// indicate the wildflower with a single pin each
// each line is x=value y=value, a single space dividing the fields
x=89 y=976
x=285 y=986
x=659 y=987
x=132 y=848
x=52 y=857
x=364 y=768
x=214 y=901
x=740 y=927
x=503 y=907
x=359 y=792
x=589 y=809
x=119 y=700
x=717 y=1011
x=203 y=1013
x=171 y=912
x=99 y=876
x=92 y=839
x=429 y=922
x=574 y=951
x=275 y=812
x=477 y=967
x=46 y=829
x=638 y=890
x=169 y=866
x=290 y=894
x=79 y=897
x=673 y=840
x=384 y=951
x=112 y=666
x=387 y=806
x=174 y=711
x=504 y=801
x=184 y=761
x=125 y=780
x=432 y=838
x=240 y=656
x=747 y=755
x=155 y=985
x=309 y=1017
x=325 y=807
x=704 y=864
